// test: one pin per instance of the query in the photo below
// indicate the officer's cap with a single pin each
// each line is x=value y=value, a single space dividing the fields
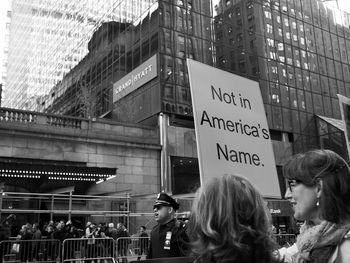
x=166 y=200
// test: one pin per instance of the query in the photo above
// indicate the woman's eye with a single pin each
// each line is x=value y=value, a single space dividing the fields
x=292 y=183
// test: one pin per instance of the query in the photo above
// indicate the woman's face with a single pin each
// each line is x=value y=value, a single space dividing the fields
x=303 y=199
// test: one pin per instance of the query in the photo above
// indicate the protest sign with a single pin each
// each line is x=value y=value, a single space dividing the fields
x=231 y=128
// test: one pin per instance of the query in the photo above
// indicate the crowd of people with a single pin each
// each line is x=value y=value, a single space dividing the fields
x=230 y=221
x=63 y=230
x=93 y=240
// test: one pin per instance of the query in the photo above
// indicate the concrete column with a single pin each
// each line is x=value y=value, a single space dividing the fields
x=2 y=187
x=165 y=173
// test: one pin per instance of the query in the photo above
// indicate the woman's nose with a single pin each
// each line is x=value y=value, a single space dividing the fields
x=288 y=194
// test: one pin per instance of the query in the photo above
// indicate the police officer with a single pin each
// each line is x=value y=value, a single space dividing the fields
x=168 y=237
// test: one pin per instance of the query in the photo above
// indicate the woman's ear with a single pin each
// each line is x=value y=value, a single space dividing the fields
x=319 y=188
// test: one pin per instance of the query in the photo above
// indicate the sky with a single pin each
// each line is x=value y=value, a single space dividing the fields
x=5 y=5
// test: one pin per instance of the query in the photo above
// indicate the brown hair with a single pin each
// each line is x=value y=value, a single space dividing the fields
x=333 y=171
x=230 y=223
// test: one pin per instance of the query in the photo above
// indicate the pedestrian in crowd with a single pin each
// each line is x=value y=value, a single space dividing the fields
x=5 y=227
x=319 y=190
x=100 y=250
x=72 y=231
x=90 y=232
x=50 y=248
x=230 y=223
x=36 y=241
x=5 y=234
x=25 y=248
x=112 y=233
x=143 y=244
x=60 y=231
x=168 y=237
x=123 y=241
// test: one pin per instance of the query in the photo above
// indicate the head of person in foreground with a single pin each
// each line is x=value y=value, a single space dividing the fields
x=230 y=223
x=318 y=186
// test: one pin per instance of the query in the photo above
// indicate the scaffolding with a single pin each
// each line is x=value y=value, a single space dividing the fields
x=35 y=206
x=43 y=208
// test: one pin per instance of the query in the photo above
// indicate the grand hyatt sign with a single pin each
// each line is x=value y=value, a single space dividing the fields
x=135 y=79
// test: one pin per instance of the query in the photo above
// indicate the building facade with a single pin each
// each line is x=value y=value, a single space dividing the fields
x=167 y=33
x=297 y=51
x=135 y=71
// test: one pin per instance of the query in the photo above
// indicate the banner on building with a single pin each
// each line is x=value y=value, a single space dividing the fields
x=231 y=128
x=345 y=114
x=135 y=79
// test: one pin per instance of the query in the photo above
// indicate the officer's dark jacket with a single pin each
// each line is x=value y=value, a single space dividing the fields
x=179 y=242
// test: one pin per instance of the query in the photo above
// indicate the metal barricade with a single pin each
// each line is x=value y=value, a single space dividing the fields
x=88 y=250
x=131 y=248
x=43 y=250
x=285 y=239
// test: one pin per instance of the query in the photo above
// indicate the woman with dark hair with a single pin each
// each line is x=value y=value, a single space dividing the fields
x=230 y=223
x=319 y=190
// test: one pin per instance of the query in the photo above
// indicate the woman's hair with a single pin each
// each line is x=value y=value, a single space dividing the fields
x=325 y=165
x=230 y=223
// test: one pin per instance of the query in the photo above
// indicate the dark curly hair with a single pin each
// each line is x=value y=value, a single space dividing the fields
x=230 y=223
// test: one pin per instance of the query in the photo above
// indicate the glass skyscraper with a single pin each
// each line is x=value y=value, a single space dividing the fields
x=299 y=53
x=48 y=38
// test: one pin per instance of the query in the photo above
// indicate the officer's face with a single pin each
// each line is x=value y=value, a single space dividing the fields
x=162 y=214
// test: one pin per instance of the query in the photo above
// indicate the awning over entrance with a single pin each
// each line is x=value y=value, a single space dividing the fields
x=331 y=134
x=339 y=124
x=45 y=175
x=322 y=133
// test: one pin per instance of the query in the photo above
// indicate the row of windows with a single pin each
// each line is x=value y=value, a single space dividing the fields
x=289 y=56
x=310 y=11
x=290 y=71
x=311 y=81
x=190 y=23
x=301 y=100
x=193 y=6
x=307 y=37
x=295 y=121
x=297 y=56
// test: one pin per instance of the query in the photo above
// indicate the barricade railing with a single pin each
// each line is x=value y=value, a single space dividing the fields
x=285 y=239
x=131 y=248
x=94 y=250
x=43 y=250
x=88 y=250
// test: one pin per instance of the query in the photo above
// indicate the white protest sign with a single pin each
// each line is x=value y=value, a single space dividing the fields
x=231 y=128
x=345 y=114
